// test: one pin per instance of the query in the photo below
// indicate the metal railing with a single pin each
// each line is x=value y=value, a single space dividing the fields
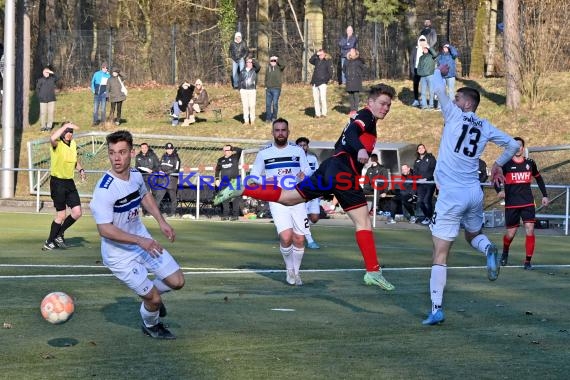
x=380 y=183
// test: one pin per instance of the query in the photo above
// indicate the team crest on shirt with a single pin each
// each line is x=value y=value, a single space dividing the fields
x=527 y=167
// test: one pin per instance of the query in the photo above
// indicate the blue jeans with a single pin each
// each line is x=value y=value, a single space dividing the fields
x=425 y=83
x=235 y=65
x=271 y=103
x=99 y=102
x=450 y=84
x=343 y=76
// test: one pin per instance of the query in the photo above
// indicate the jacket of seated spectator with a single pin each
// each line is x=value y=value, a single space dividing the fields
x=184 y=95
x=378 y=172
x=147 y=161
x=201 y=99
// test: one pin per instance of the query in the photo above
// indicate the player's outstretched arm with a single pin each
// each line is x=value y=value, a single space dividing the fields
x=112 y=232
x=150 y=205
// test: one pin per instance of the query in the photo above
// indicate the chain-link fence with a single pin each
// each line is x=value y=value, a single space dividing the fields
x=194 y=50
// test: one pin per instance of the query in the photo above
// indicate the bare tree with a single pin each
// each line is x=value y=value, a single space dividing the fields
x=512 y=53
x=492 y=36
x=315 y=25
x=545 y=27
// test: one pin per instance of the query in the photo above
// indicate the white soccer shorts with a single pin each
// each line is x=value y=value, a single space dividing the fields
x=314 y=206
x=456 y=206
x=290 y=217
x=134 y=273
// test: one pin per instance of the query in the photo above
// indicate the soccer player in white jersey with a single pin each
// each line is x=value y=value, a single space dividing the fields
x=460 y=199
x=314 y=205
x=284 y=164
x=127 y=247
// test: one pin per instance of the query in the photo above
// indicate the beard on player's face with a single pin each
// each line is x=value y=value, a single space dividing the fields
x=280 y=140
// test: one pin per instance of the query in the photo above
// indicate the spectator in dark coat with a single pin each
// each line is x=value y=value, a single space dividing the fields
x=169 y=169
x=45 y=91
x=183 y=97
x=238 y=52
x=322 y=74
x=147 y=162
x=347 y=42
x=354 y=71
x=424 y=167
x=117 y=95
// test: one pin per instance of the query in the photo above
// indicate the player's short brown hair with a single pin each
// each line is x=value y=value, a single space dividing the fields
x=381 y=89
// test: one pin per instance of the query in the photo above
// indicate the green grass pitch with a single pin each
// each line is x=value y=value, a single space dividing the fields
x=237 y=319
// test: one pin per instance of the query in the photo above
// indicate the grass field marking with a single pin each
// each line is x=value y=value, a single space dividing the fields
x=200 y=271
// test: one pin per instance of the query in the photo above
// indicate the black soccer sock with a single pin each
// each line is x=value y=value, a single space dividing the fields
x=68 y=222
x=54 y=230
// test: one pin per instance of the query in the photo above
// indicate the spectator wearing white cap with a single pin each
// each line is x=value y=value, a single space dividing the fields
x=238 y=52
x=167 y=180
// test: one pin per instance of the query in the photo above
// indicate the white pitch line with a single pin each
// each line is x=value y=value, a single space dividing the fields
x=210 y=271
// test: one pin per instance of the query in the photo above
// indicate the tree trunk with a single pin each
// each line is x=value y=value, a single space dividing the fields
x=512 y=53
x=263 y=39
x=492 y=39
x=144 y=6
x=314 y=22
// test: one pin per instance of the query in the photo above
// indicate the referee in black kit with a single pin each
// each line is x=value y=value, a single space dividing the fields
x=63 y=154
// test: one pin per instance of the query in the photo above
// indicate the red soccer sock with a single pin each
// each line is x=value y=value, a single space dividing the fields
x=264 y=192
x=365 y=241
x=506 y=243
x=529 y=246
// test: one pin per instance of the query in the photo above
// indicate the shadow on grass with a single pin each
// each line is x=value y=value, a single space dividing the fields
x=498 y=99
x=125 y=312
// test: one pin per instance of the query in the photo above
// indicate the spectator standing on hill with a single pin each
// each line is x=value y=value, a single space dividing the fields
x=424 y=167
x=63 y=154
x=227 y=168
x=167 y=180
x=519 y=201
x=117 y=95
x=238 y=52
x=447 y=57
x=45 y=91
x=99 y=90
x=415 y=55
x=460 y=200
x=147 y=162
x=426 y=66
x=127 y=248
x=200 y=100
x=273 y=83
x=322 y=74
x=346 y=42
x=352 y=151
x=353 y=70
x=248 y=90
x=180 y=104
x=429 y=32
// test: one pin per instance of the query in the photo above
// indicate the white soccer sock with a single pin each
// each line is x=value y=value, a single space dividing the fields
x=161 y=286
x=480 y=243
x=309 y=238
x=150 y=318
x=287 y=256
x=297 y=258
x=436 y=285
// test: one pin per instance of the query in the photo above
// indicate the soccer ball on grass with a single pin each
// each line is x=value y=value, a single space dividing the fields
x=57 y=307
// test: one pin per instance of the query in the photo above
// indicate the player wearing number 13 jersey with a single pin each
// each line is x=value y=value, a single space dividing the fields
x=460 y=199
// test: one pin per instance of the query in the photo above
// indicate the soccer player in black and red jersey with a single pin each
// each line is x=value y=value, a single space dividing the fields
x=339 y=175
x=519 y=201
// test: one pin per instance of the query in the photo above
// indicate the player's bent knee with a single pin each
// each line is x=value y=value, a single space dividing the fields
x=175 y=281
